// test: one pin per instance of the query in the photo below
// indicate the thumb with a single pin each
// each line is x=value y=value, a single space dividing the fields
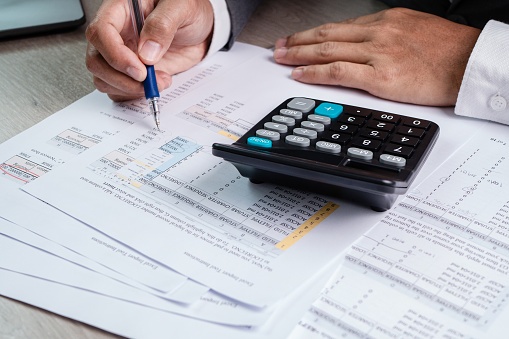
x=158 y=32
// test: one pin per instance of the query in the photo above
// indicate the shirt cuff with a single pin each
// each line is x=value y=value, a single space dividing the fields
x=222 y=26
x=484 y=91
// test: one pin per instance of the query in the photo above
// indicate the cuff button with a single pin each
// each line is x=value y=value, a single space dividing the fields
x=498 y=102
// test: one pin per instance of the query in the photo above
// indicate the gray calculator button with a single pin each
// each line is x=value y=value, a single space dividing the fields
x=301 y=104
x=266 y=134
x=392 y=160
x=319 y=118
x=313 y=125
x=304 y=132
x=291 y=113
x=283 y=120
x=273 y=126
x=328 y=147
x=297 y=141
x=359 y=153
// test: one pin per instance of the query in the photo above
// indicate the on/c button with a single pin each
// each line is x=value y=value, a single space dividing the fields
x=259 y=142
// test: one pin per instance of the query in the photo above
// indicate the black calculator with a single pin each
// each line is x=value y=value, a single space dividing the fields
x=356 y=153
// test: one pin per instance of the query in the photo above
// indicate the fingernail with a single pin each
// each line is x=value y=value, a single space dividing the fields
x=281 y=43
x=280 y=53
x=297 y=73
x=135 y=73
x=150 y=51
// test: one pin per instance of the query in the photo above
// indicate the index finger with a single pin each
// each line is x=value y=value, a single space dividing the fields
x=111 y=21
x=350 y=30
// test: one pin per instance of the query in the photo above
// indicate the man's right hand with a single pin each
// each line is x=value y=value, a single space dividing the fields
x=175 y=37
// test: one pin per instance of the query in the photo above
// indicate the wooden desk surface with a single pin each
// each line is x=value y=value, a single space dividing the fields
x=41 y=75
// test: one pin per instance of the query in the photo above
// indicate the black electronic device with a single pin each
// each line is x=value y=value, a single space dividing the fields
x=353 y=152
x=29 y=17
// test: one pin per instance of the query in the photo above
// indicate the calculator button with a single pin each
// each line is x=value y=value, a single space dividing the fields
x=328 y=147
x=380 y=125
x=259 y=142
x=416 y=123
x=291 y=113
x=344 y=128
x=369 y=144
x=387 y=117
x=313 y=125
x=392 y=160
x=329 y=110
x=357 y=111
x=320 y=118
x=359 y=153
x=405 y=140
x=266 y=134
x=281 y=128
x=338 y=138
x=297 y=141
x=412 y=131
x=304 y=132
x=283 y=120
x=351 y=119
x=402 y=151
x=301 y=104
x=374 y=134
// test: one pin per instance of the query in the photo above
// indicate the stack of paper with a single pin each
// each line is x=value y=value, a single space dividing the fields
x=143 y=232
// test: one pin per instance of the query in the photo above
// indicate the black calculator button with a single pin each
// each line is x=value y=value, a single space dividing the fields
x=266 y=134
x=301 y=104
x=392 y=160
x=411 y=131
x=273 y=126
x=380 y=125
x=328 y=147
x=283 y=120
x=405 y=140
x=374 y=134
x=352 y=119
x=416 y=123
x=402 y=151
x=369 y=144
x=328 y=109
x=320 y=118
x=360 y=153
x=357 y=111
x=338 y=138
x=305 y=132
x=343 y=128
x=316 y=126
x=387 y=117
x=297 y=141
x=291 y=113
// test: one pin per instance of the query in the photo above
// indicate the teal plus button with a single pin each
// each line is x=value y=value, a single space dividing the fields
x=329 y=110
x=259 y=142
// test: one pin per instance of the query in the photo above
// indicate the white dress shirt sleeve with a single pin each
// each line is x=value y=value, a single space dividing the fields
x=484 y=91
x=221 y=32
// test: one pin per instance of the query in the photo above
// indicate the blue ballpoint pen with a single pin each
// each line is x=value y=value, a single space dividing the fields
x=150 y=82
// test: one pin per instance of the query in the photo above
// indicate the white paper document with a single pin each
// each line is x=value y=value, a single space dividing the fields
x=437 y=265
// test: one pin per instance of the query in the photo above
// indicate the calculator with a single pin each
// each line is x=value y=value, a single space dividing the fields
x=361 y=154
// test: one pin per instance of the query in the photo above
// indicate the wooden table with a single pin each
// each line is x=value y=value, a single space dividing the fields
x=41 y=75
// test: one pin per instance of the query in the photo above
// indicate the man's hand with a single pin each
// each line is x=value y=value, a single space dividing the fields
x=174 y=38
x=397 y=54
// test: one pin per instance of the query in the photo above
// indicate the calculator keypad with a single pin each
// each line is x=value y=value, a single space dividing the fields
x=359 y=133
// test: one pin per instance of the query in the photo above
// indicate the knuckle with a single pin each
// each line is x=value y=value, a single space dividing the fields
x=159 y=26
x=323 y=32
x=92 y=33
x=326 y=49
x=336 y=72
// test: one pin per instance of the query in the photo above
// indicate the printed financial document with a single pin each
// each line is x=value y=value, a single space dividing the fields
x=149 y=195
x=437 y=265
